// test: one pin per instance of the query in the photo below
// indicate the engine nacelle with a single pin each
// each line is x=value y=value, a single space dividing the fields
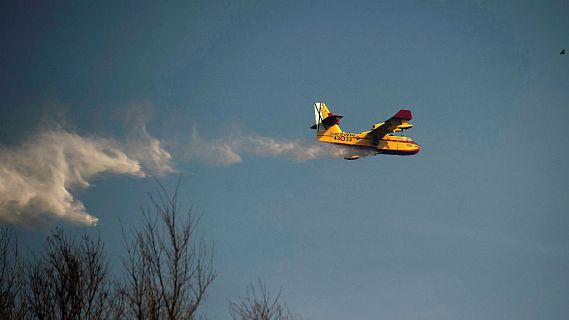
x=399 y=128
x=403 y=126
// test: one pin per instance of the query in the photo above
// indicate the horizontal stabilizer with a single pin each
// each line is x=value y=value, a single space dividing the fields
x=323 y=118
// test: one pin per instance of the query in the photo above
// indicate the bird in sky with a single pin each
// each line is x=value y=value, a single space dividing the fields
x=562 y=51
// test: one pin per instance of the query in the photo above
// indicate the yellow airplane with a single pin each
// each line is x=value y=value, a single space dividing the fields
x=378 y=140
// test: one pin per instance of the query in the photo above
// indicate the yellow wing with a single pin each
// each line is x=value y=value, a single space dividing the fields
x=396 y=123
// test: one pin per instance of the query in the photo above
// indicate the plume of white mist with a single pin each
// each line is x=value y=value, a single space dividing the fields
x=290 y=149
x=228 y=150
x=140 y=145
x=148 y=151
x=216 y=152
x=37 y=176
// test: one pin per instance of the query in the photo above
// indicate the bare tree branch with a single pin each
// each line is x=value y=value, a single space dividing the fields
x=169 y=266
x=12 y=282
x=258 y=304
x=70 y=280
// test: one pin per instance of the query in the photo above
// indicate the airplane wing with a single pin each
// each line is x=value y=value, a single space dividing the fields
x=395 y=123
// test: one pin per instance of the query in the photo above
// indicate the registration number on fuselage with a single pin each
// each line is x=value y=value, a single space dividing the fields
x=345 y=136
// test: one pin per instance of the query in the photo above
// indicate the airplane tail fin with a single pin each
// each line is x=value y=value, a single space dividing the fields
x=324 y=120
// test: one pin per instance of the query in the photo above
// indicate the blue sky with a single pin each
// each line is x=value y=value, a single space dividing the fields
x=472 y=227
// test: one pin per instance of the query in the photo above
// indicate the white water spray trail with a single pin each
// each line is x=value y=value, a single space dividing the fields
x=36 y=178
x=229 y=150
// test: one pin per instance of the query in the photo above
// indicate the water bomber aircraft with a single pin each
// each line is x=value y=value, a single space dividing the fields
x=381 y=139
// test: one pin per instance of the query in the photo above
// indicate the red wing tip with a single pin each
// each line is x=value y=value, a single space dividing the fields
x=404 y=114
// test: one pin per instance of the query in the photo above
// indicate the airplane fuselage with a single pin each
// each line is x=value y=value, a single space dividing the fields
x=390 y=144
